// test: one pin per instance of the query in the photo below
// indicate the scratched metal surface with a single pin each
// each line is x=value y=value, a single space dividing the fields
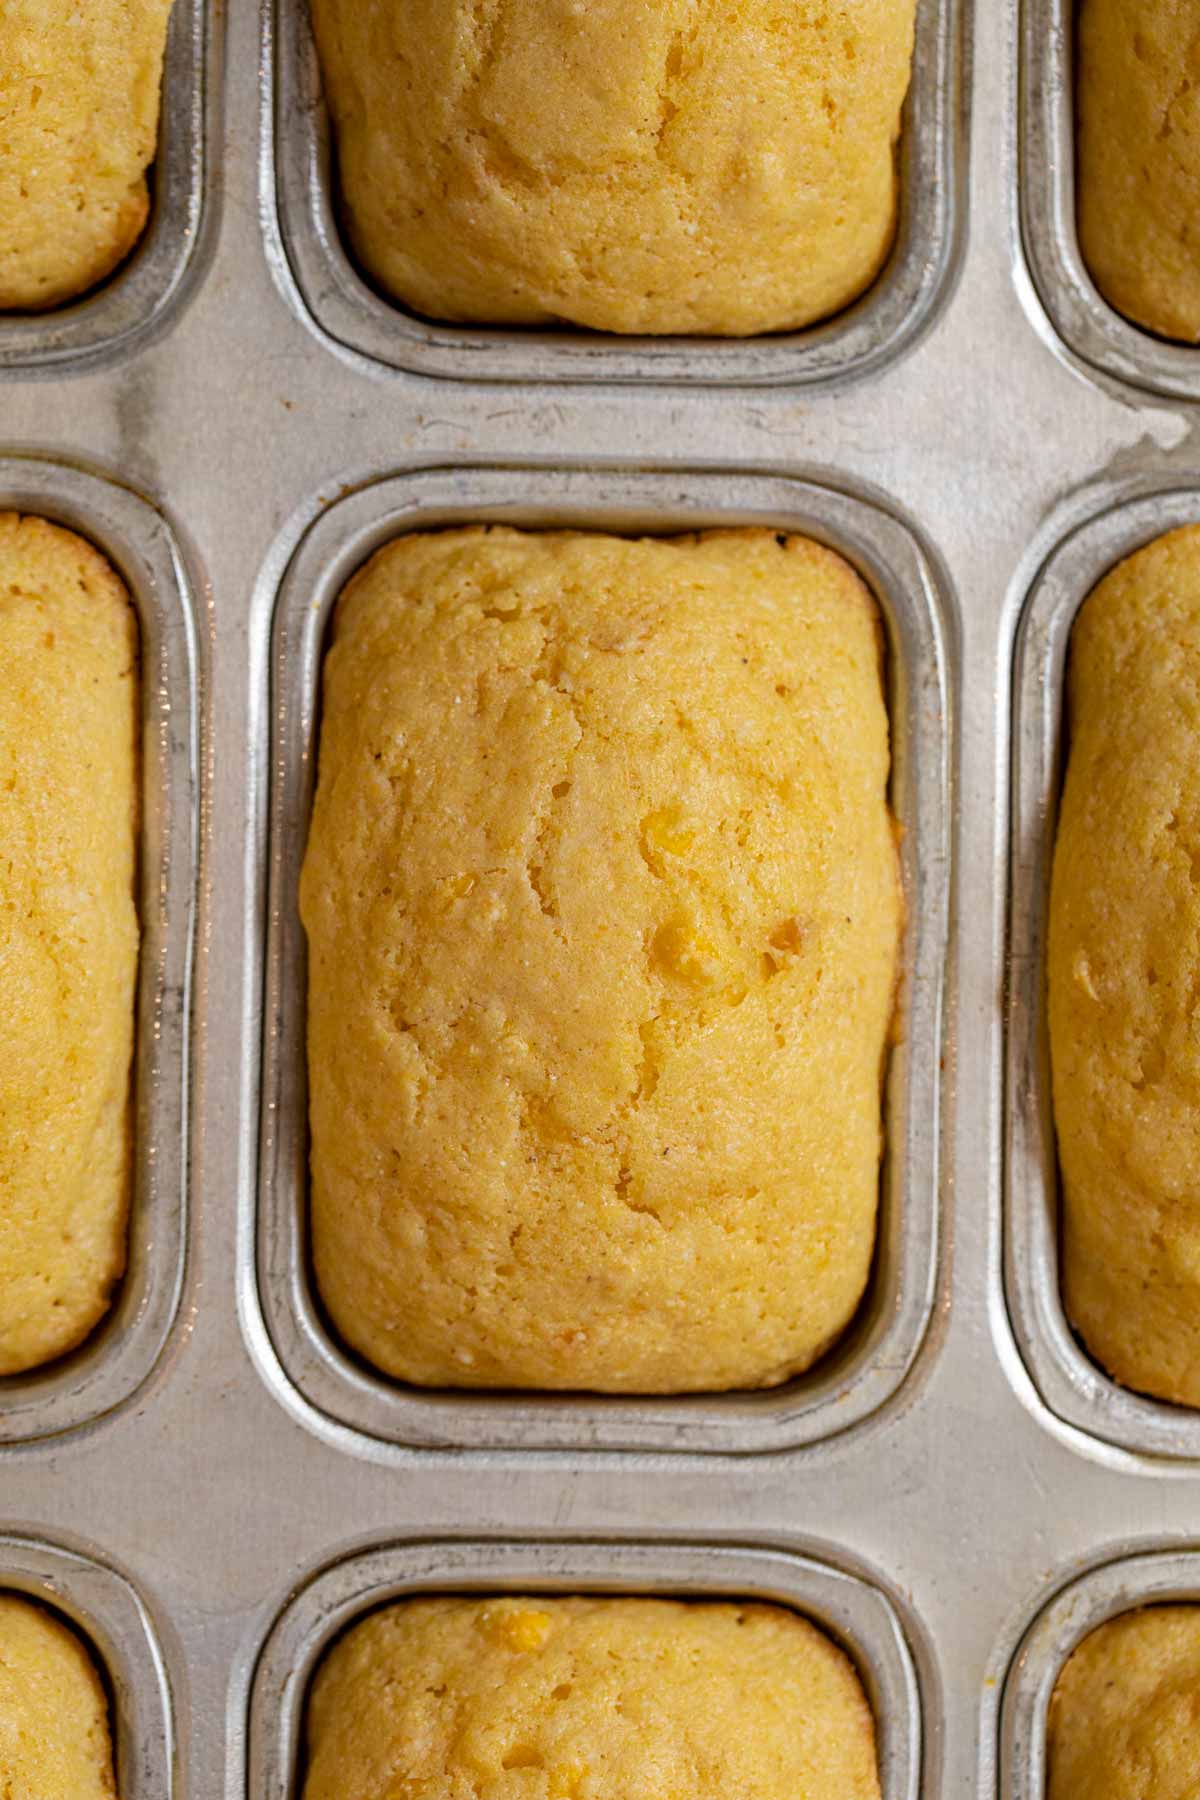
x=229 y=1493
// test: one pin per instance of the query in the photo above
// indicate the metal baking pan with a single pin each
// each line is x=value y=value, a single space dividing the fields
x=1156 y=1579
x=137 y=297
x=866 y=1369
x=875 y=328
x=855 y=1612
x=111 y=1365
x=1080 y=314
x=110 y=1618
x=1070 y=1383
x=963 y=1456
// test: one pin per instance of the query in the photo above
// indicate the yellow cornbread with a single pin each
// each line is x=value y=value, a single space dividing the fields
x=1139 y=159
x=1124 y=967
x=79 y=94
x=581 y=1699
x=1125 y=1716
x=691 y=166
x=603 y=909
x=68 y=935
x=54 y=1732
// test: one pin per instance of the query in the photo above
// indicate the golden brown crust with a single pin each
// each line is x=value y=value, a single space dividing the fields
x=79 y=102
x=1139 y=159
x=603 y=909
x=68 y=935
x=1124 y=972
x=1125 y=1716
x=54 y=1731
x=588 y=1699
x=692 y=166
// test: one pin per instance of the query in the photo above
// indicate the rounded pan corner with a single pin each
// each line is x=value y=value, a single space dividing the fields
x=138 y=297
x=1070 y=1384
x=1082 y=318
x=863 y=1375
x=1156 y=1578
x=854 y=1611
x=875 y=329
x=115 y=1361
x=106 y=1611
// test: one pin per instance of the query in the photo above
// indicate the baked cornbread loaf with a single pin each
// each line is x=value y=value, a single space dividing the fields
x=1139 y=159
x=586 y=1699
x=54 y=1732
x=691 y=166
x=68 y=935
x=603 y=909
x=1125 y=1716
x=1124 y=968
x=79 y=94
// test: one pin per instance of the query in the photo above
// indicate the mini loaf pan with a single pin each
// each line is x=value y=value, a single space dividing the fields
x=107 y=1614
x=138 y=294
x=114 y=1361
x=1079 y=313
x=853 y=1611
x=1071 y=1384
x=875 y=328
x=1158 y=1578
x=865 y=1370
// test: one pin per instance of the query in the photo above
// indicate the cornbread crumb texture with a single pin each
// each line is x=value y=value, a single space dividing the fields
x=1124 y=972
x=1139 y=159
x=1125 y=1717
x=54 y=1731
x=580 y=1699
x=691 y=166
x=68 y=935
x=79 y=102
x=603 y=908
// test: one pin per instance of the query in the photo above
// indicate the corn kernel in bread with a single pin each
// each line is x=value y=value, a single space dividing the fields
x=1139 y=159
x=79 y=91
x=691 y=166
x=54 y=1731
x=68 y=935
x=1124 y=971
x=1125 y=1717
x=603 y=907
x=588 y=1699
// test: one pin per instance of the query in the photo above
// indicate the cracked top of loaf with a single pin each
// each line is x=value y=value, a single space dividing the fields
x=603 y=908
x=692 y=166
